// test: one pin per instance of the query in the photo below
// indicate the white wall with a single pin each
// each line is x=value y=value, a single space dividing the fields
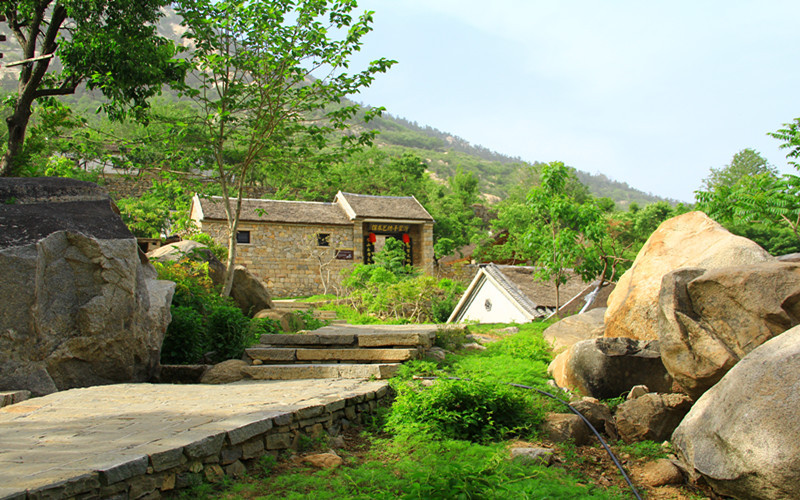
x=502 y=309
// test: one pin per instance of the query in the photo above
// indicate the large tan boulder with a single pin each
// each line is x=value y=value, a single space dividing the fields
x=688 y=240
x=79 y=304
x=573 y=329
x=709 y=320
x=741 y=435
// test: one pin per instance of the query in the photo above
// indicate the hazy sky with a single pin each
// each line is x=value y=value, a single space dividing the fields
x=652 y=93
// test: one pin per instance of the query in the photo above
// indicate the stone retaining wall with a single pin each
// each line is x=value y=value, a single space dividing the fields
x=227 y=451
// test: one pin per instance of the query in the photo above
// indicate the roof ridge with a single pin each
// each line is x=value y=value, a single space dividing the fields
x=281 y=201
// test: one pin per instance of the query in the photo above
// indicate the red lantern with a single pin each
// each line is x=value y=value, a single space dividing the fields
x=372 y=238
x=406 y=238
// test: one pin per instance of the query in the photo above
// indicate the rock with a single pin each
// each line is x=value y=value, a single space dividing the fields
x=337 y=443
x=473 y=346
x=741 y=435
x=539 y=456
x=651 y=417
x=225 y=372
x=563 y=427
x=328 y=460
x=709 y=320
x=608 y=367
x=288 y=320
x=657 y=473
x=249 y=292
x=508 y=330
x=436 y=353
x=81 y=305
x=597 y=414
x=688 y=240
x=573 y=329
x=637 y=391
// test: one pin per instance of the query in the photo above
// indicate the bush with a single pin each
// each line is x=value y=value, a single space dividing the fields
x=227 y=333
x=202 y=321
x=460 y=409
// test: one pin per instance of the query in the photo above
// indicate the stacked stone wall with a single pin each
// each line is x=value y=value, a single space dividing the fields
x=286 y=256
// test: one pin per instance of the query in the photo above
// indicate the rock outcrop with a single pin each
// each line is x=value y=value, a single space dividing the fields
x=80 y=304
x=249 y=292
x=709 y=320
x=688 y=240
x=573 y=329
x=741 y=435
x=608 y=367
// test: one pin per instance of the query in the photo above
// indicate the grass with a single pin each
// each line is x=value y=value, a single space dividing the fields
x=412 y=458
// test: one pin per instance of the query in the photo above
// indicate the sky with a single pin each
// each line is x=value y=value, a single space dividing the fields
x=652 y=93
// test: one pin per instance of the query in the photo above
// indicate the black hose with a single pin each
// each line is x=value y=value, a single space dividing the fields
x=576 y=412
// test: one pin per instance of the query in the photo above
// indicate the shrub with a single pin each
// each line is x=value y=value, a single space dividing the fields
x=460 y=409
x=227 y=333
x=183 y=342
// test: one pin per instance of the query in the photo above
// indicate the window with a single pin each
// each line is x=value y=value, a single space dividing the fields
x=323 y=239
x=243 y=237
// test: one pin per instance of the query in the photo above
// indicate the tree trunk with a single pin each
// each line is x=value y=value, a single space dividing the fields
x=230 y=262
x=17 y=125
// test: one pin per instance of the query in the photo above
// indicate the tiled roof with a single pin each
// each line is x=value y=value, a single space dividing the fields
x=385 y=207
x=533 y=294
x=300 y=212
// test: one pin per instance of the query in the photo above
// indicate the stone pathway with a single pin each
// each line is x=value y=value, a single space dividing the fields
x=109 y=440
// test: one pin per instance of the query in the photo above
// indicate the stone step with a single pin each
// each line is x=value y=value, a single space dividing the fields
x=312 y=371
x=361 y=339
x=323 y=314
x=303 y=354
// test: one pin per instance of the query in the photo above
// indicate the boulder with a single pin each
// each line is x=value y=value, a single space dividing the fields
x=573 y=329
x=250 y=293
x=688 y=240
x=329 y=460
x=226 y=372
x=651 y=417
x=741 y=435
x=608 y=367
x=598 y=414
x=288 y=319
x=564 y=427
x=709 y=320
x=657 y=473
x=81 y=304
x=538 y=456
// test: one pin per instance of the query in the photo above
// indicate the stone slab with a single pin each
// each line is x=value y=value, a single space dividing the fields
x=301 y=339
x=110 y=433
x=389 y=339
x=363 y=355
x=321 y=371
x=272 y=354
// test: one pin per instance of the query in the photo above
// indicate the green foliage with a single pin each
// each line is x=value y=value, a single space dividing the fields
x=790 y=135
x=392 y=258
x=747 y=162
x=451 y=338
x=112 y=47
x=643 y=449
x=203 y=323
x=460 y=409
x=162 y=210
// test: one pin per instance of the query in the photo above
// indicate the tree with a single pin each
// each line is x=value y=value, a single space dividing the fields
x=268 y=77
x=747 y=162
x=790 y=135
x=562 y=230
x=111 y=46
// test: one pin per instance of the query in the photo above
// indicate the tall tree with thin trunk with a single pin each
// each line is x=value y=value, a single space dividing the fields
x=269 y=80
x=111 y=45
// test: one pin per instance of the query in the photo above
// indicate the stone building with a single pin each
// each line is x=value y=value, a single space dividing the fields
x=300 y=248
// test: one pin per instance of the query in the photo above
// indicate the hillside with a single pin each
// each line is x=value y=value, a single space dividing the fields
x=443 y=152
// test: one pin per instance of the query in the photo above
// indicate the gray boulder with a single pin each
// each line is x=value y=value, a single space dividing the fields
x=249 y=292
x=608 y=367
x=81 y=305
x=709 y=320
x=741 y=435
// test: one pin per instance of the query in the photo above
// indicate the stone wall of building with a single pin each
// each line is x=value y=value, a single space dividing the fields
x=287 y=257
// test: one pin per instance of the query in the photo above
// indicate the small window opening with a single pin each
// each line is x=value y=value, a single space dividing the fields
x=323 y=240
x=243 y=237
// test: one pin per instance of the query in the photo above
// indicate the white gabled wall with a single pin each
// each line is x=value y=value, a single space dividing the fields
x=503 y=309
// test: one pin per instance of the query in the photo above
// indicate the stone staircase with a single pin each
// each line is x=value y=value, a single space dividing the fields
x=338 y=351
x=292 y=305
